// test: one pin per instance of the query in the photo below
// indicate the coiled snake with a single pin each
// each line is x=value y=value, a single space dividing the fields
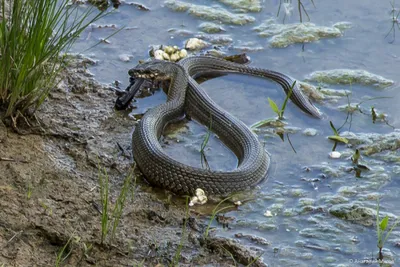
x=185 y=96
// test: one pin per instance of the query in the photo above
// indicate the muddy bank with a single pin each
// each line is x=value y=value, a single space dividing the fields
x=49 y=192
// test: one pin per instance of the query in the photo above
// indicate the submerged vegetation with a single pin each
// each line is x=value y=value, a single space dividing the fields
x=33 y=34
x=287 y=7
x=395 y=22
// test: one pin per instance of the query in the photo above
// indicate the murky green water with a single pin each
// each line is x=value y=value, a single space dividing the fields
x=302 y=187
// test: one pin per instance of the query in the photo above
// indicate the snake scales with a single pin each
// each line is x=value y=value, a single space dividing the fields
x=185 y=96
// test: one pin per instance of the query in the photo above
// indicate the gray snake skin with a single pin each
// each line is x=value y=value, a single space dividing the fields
x=185 y=96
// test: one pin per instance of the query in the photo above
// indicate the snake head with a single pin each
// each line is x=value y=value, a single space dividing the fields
x=155 y=70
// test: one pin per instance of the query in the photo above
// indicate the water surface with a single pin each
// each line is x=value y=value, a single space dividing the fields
x=298 y=236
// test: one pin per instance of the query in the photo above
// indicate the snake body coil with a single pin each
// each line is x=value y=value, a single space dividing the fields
x=185 y=95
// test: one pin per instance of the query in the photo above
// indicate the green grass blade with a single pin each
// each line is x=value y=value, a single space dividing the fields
x=274 y=106
x=333 y=128
x=390 y=231
x=383 y=224
x=338 y=138
x=120 y=204
x=206 y=137
x=175 y=261
x=378 y=229
x=261 y=123
x=214 y=213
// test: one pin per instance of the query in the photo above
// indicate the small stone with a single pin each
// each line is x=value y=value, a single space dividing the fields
x=334 y=154
x=212 y=13
x=349 y=76
x=168 y=49
x=166 y=56
x=210 y=27
x=195 y=44
x=159 y=54
x=125 y=57
x=268 y=213
x=244 y=5
x=343 y=25
x=282 y=35
x=183 y=53
x=310 y=132
x=238 y=203
x=175 y=57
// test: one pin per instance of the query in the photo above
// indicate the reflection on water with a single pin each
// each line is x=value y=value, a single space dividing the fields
x=294 y=207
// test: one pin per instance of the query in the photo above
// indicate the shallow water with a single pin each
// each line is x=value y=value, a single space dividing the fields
x=298 y=236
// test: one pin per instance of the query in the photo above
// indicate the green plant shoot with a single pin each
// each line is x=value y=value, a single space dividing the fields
x=215 y=212
x=336 y=137
x=275 y=107
x=381 y=226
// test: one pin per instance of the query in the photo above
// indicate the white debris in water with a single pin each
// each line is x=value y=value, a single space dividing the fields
x=195 y=44
x=283 y=35
x=349 y=76
x=310 y=132
x=288 y=9
x=268 y=213
x=343 y=25
x=199 y=198
x=334 y=154
x=238 y=203
x=125 y=57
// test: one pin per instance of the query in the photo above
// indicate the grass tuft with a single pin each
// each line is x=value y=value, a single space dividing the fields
x=110 y=223
x=63 y=253
x=175 y=260
x=121 y=200
x=104 y=191
x=215 y=211
x=33 y=34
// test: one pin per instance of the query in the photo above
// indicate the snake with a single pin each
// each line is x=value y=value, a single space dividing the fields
x=187 y=97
